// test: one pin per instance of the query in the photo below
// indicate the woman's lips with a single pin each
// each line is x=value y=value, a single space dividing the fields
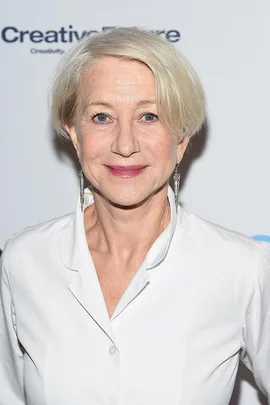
x=125 y=171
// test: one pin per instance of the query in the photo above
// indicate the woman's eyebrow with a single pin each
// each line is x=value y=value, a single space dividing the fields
x=99 y=102
x=143 y=102
x=109 y=105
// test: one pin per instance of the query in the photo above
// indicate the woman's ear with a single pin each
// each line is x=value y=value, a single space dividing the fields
x=74 y=138
x=181 y=148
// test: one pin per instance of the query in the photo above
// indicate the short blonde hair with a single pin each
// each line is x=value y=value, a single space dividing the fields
x=179 y=93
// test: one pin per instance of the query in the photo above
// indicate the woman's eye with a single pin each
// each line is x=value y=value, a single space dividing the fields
x=100 y=118
x=149 y=117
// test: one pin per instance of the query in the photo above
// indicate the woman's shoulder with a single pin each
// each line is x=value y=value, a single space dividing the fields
x=220 y=240
x=215 y=249
x=31 y=239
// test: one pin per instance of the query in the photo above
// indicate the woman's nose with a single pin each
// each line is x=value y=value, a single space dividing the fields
x=125 y=142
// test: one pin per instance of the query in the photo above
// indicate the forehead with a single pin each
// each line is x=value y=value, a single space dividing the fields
x=113 y=76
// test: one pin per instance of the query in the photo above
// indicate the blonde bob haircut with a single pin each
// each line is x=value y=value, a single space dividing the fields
x=179 y=93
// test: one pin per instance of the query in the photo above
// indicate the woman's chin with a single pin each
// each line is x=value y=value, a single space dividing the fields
x=126 y=202
x=124 y=198
x=129 y=197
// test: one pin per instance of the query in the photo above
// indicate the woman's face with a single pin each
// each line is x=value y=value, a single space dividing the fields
x=124 y=150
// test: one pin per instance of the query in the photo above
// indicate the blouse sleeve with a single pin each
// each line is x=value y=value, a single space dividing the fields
x=256 y=328
x=11 y=356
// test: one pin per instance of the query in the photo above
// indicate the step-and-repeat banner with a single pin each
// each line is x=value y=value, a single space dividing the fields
x=225 y=176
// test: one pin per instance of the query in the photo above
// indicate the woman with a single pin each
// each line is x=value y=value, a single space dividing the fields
x=131 y=300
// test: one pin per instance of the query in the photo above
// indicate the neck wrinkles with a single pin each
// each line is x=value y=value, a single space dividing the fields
x=111 y=229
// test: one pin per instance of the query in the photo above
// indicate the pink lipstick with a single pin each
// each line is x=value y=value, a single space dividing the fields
x=126 y=171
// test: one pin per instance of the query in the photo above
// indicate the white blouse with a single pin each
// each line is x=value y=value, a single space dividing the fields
x=199 y=302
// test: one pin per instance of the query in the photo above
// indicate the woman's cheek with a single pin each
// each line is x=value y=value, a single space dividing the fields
x=166 y=148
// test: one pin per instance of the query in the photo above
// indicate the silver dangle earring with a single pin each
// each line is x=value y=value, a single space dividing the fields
x=176 y=185
x=81 y=177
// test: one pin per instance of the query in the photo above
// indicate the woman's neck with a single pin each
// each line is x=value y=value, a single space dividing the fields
x=121 y=231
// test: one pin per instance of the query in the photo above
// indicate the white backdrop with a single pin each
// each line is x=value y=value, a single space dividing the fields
x=228 y=42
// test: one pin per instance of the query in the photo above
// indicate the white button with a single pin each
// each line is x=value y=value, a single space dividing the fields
x=112 y=350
